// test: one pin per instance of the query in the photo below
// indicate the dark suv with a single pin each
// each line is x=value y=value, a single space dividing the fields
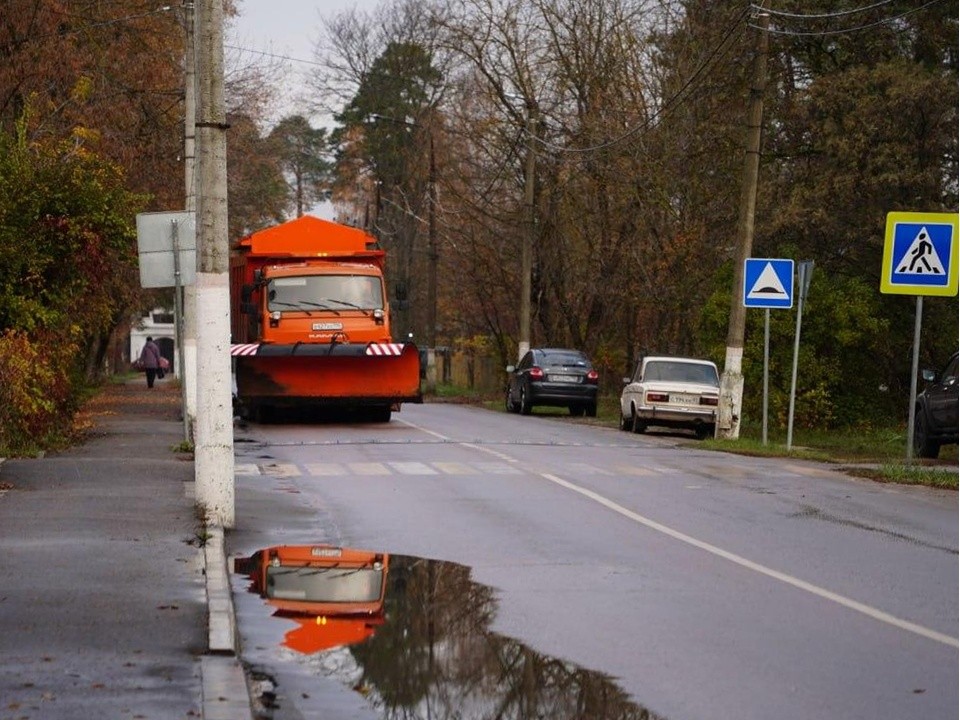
x=554 y=377
x=935 y=422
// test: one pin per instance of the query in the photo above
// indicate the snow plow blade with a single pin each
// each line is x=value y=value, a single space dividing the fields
x=375 y=375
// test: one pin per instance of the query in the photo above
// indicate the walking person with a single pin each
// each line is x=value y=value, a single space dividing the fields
x=150 y=360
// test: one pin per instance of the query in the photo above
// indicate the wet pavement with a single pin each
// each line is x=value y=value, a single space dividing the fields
x=424 y=650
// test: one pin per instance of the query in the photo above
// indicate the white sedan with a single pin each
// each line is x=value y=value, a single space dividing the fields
x=672 y=392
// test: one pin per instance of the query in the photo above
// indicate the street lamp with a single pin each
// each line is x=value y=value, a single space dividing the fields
x=432 y=254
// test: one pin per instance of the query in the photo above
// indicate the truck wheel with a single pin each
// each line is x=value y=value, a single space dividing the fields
x=381 y=414
x=923 y=446
x=525 y=406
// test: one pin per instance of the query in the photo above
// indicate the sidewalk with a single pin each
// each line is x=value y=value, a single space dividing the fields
x=105 y=598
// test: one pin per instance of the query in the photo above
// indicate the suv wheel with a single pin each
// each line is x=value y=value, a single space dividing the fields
x=923 y=445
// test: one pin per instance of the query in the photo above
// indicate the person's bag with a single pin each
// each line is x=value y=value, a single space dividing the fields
x=160 y=373
x=164 y=363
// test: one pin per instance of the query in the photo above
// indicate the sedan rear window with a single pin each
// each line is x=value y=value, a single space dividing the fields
x=681 y=372
x=565 y=358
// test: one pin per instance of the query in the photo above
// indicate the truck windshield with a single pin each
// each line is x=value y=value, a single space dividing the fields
x=324 y=584
x=325 y=292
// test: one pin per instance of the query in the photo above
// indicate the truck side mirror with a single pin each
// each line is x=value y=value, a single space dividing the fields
x=246 y=293
x=248 y=308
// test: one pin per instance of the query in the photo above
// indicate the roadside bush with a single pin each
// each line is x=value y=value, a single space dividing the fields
x=37 y=393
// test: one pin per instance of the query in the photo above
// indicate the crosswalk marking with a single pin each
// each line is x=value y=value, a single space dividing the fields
x=325 y=469
x=281 y=470
x=412 y=468
x=402 y=467
x=635 y=470
x=497 y=468
x=587 y=469
x=454 y=468
x=369 y=468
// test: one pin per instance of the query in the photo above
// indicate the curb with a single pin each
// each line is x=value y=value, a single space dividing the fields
x=226 y=695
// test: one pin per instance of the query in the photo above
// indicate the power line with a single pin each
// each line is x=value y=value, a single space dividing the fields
x=275 y=55
x=842 y=31
x=664 y=109
x=822 y=16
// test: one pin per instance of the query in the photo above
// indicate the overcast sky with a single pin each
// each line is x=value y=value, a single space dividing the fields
x=286 y=27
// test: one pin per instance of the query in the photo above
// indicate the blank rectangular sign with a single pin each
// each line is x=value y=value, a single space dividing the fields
x=155 y=234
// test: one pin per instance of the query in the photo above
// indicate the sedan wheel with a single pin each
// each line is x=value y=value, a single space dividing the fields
x=508 y=403
x=626 y=423
x=525 y=406
x=639 y=426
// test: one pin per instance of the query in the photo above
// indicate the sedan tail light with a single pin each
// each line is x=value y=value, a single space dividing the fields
x=712 y=401
x=657 y=397
x=536 y=373
x=592 y=377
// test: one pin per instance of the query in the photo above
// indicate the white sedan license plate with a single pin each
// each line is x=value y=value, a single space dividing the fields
x=685 y=399
x=564 y=378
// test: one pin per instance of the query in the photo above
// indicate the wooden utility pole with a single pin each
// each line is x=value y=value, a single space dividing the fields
x=731 y=381
x=526 y=247
x=214 y=429
x=433 y=255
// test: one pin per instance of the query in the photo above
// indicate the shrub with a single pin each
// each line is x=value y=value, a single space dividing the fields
x=37 y=395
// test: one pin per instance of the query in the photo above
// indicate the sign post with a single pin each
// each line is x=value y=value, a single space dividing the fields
x=920 y=253
x=805 y=272
x=767 y=283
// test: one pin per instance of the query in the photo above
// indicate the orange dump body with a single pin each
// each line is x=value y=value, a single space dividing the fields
x=310 y=321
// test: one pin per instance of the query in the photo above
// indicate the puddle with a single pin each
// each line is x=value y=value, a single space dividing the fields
x=417 y=634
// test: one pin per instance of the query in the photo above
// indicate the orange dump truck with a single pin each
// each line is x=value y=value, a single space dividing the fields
x=310 y=323
x=335 y=595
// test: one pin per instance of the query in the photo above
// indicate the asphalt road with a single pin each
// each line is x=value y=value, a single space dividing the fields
x=699 y=584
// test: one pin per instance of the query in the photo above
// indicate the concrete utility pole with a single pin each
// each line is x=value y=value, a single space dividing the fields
x=526 y=247
x=188 y=373
x=214 y=429
x=731 y=381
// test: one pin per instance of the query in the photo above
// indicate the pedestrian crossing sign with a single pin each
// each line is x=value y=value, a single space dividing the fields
x=920 y=254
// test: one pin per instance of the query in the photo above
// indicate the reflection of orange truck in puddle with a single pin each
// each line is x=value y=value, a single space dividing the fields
x=310 y=323
x=334 y=594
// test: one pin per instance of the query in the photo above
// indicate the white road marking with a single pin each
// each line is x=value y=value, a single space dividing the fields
x=412 y=468
x=757 y=567
x=325 y=469
x=454 y=468
x=246 y=469
x=281 y=470
x=369 y=468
